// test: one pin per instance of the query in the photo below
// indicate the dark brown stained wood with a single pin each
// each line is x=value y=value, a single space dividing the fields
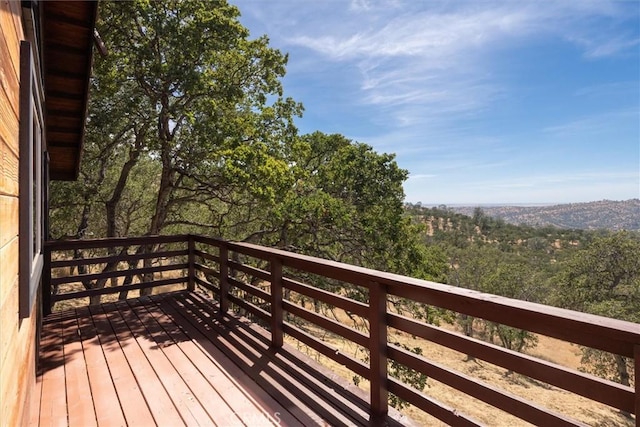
x=192 y=262
x=253 y=271
x=223 y=279
x=207 y=256
x=333 y=353
x=598 y=332
x=328 y=324
x=207 y=285
x=113 y=242
x=119 y=273
x=253 y=290
x=251 y=308
x=261 y=355
x=109 y=290
x=636 y=368
x=515 y=405
x=442 y=412
x=327 y=297
x=378 y=348
x=276 y=306
x=105 y=259
x=595 y=388
x=206 y=270
x=67 y=33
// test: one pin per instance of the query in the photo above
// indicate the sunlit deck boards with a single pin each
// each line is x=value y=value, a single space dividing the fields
x=169 y=360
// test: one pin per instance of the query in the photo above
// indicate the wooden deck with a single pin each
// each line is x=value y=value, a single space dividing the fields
x=169 y=360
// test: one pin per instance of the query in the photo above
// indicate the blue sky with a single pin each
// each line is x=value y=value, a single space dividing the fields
x=511 y=102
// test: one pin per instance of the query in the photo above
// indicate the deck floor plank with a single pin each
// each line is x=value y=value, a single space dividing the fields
x=258 y=364
x=203 y=377
x=250 y=404
x=155 y=395
x=105 y=398
x=79 y=403
x=174 y=370
x=173 y=359
x=313 y=379
x=53 y=408
x=132 y=402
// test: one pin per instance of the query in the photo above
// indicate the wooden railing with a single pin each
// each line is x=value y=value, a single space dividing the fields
x=260 y=281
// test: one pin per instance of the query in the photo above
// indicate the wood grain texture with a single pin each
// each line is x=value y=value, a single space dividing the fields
x=9 y=171
x=169 y=357
x=9 y=269
x=17 y=368
x=8 y=219
x=9 y=322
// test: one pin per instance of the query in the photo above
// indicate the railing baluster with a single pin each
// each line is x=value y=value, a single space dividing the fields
x=192 y=261
x=276 y=303
x=224 y=279
x=378 y=353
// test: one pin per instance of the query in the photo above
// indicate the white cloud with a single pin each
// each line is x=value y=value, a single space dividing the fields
x=437 y=56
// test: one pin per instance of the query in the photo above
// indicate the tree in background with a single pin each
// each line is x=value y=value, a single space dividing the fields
x=604 y=279
x=185 y=89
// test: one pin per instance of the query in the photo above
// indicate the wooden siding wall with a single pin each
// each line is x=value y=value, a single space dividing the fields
x=17 y=338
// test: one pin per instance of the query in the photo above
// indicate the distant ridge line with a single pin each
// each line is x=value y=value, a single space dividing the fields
x=602 y=214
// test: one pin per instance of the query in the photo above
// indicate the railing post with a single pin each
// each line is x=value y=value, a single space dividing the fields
x=378 y=353
x=192 y=263
x=276 y=303
x=636 y=354
x=224 y=278
x=46 y=281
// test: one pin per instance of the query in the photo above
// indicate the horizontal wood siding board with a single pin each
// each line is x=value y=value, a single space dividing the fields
x=328 y=324
x=207 y=285
x=253 y=271
x=65 y=245
x=118 y=289
x=512 y=404
x=327 y=297
x=607 y=392
x=118 y=273
x=431 y=406
x=251 y=308
x=107 y=259
x=332 y=353
x=253 y=290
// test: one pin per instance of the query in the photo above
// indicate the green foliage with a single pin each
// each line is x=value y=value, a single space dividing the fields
x=604 y=279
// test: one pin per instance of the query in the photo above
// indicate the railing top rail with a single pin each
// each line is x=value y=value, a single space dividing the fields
x=598 y=332
x=63 y=245
x=616 y=336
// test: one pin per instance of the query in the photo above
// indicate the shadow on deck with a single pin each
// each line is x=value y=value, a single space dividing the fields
x=170 y=359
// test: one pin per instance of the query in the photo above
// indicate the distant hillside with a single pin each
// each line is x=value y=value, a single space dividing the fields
x=604 y=214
